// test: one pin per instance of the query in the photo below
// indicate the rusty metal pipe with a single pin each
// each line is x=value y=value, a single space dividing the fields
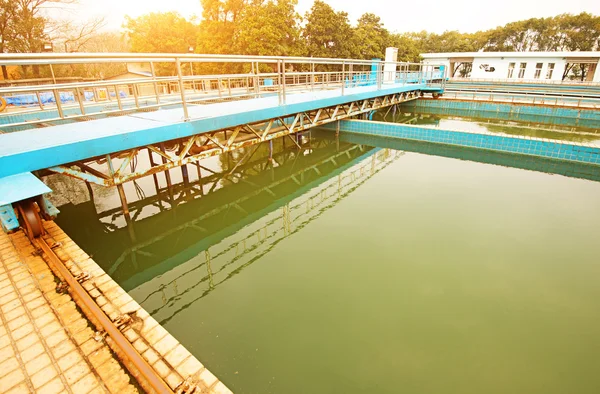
x=150 y=376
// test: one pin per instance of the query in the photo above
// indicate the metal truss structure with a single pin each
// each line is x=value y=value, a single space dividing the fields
x=116 y=169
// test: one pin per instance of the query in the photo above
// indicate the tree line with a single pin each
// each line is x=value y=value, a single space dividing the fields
x=274 y=27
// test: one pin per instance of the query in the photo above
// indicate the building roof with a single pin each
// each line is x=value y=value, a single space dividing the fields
x=578 y=54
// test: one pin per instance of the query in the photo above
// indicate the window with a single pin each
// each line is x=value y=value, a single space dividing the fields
x=550 y=71
x=538 y=70
x=511 y=69
x=522 y=68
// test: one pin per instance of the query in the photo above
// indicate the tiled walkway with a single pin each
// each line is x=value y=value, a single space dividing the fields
x=46 y=344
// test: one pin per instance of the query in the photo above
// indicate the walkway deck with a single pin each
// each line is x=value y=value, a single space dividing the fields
x=37 y=149
x=46 y=345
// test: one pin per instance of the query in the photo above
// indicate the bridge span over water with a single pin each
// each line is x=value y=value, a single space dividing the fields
x=172 y=110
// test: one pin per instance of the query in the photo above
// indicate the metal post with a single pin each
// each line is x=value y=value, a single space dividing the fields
x=58 y=103
x=186 y=115
x=79 y=100
x=351 y=74
x=279 y=81
x=185 y=175
x=124 y=203
x=136 y=95
x=283 y=78
x=154 y=82
x=39 y=99
x=167 y=173
x=312 y=76
x=343 y=76
x=152 y=164
x=52 y=72
x=118 y=97
x=257 y=80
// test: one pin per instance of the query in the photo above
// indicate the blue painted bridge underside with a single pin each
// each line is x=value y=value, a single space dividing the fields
x=31 y=150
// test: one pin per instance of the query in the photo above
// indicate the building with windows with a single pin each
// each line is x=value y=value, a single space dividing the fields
x=542 y=66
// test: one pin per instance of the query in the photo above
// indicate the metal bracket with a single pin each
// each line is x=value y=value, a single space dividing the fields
x=8 y=218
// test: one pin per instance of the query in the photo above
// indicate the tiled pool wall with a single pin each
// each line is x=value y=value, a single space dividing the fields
x=561 y=167
x=555 y=115
x=520 y=145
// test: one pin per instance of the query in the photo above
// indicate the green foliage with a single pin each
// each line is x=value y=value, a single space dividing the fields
x=563 y=32
x=269 y=28
x=218 y=26
x=166 y=32
x=370 y=37
x=328 y=33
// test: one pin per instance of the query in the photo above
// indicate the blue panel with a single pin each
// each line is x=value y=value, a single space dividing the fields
x=20 y=187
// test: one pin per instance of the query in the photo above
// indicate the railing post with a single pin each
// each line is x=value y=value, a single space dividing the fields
x=283 y=77
x=279 y=81
x=351 y=71
x=80 y=100
x=343 y=76
x=119 y=103
x=39 y=99
x=312 y=76
x=154 y=82
x=58 y=104
x=257 y=80
x=182 y=90
x=52 y=72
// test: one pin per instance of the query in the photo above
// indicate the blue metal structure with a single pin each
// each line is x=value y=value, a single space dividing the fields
x=180 y=119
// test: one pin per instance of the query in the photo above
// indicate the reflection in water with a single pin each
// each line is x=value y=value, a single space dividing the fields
x=172 y=225
x=167 y=295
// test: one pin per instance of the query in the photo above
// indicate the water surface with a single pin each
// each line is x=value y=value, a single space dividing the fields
x=356 y=269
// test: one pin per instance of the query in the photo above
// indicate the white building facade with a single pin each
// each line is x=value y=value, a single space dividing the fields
x=541 y=66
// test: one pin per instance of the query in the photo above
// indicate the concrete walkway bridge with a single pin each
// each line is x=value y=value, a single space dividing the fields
x=172 y=110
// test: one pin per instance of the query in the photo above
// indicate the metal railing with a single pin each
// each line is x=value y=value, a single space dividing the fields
x=537 y=98
x=527 y=81
x=184 y=80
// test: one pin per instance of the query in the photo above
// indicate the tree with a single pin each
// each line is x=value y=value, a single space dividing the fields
x=269 y=28
x=408 y=50
x=328 y=33
x=75 y=36
x=218 y=26
x=166 y=32
x=581 y=32
x=7 y=10
x=371 y=37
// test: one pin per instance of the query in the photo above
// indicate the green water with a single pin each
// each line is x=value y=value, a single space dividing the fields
x=369 y=270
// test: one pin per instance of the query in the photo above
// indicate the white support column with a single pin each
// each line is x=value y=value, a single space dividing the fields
x=389 y=69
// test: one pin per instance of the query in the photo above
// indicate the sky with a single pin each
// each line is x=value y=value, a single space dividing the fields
x=397 y=15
